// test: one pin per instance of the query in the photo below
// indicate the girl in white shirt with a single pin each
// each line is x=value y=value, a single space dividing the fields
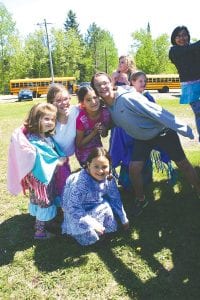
x=65 y=134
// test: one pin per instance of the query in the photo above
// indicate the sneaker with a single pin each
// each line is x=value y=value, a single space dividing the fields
x=139 y=206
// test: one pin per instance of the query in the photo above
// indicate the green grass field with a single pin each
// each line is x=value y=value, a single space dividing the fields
x=159 y=258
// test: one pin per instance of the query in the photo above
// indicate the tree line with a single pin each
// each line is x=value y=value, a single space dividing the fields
x=73 y=53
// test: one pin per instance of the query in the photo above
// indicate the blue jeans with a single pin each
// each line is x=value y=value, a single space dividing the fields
x=196 y=110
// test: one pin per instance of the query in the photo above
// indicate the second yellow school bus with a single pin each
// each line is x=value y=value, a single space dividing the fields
x=39 y=86
x=163 y=82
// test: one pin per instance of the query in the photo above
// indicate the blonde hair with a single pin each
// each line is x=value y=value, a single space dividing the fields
x=130 y=63
x=33 y=121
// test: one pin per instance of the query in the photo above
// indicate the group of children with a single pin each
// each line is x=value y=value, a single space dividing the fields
x=54 y=131
x=39 y=154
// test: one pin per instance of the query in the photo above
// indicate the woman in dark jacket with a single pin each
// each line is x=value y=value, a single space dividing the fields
x=186 y=57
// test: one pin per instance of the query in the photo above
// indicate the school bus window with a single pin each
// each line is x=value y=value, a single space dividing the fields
x=39 y=85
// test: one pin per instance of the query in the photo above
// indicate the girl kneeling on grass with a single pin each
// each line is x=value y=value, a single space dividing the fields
x=90 y=200
x=38 y=159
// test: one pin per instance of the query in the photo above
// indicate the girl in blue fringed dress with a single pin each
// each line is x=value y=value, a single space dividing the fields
x=91 y=200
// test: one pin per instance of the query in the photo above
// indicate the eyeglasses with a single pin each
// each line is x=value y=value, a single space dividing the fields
x=181 y=35
x=63 y=99
x=100 y=84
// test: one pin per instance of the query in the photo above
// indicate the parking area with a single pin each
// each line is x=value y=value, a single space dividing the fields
x=12 y=98
x=155 y=94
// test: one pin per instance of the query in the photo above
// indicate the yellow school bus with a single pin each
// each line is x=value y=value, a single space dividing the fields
x=163 y=82
x=39 y=86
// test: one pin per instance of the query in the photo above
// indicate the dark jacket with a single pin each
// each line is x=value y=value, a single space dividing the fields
x=187 y=61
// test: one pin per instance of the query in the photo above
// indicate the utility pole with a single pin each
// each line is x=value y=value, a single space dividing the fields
x=106 y=61
x=49 y=49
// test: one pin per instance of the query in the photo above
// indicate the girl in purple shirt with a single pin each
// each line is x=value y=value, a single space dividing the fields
x=92 y=123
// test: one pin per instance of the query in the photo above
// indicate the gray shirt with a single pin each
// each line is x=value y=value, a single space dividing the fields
x=143 y=119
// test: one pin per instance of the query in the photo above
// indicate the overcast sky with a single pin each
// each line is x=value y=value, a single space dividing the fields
x=120 y=18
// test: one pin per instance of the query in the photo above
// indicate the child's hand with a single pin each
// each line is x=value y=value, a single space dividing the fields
x=104 y=131
x=98 y=127
x=100 y=230
x=125 y=226
x=61 y=161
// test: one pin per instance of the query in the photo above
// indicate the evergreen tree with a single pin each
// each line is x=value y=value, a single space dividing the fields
x=151 y=55
x=71 y=22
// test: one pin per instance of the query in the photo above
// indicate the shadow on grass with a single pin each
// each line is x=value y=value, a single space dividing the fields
x=176 y=95
x=168 y=243
x=16 y=234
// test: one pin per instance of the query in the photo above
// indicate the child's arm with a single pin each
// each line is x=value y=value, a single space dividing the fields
x=61 y=161
x=82 y=140
x=106 y=122
x=116 y=203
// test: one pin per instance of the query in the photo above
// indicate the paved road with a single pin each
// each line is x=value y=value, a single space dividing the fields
x=11 y=98
x=172 y=94
x=155 y=94
x=7 y=98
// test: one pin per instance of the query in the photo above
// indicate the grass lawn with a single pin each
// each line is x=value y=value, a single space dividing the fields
x=159 y=258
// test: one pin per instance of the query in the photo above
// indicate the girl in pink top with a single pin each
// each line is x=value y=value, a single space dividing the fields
x=92 y=123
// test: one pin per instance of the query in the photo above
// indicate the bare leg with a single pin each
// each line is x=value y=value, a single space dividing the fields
x=190 y=173
x=135 y=173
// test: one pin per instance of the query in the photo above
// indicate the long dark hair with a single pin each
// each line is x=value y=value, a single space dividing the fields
x=176 y=31
x=97 y=152
x=82 y=92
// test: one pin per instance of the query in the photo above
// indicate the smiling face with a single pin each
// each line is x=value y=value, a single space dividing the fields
x=99 y=168
x=103 y=86
x=91 y=102
x=182 y=38
x=47 y=122
x=62 y=102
